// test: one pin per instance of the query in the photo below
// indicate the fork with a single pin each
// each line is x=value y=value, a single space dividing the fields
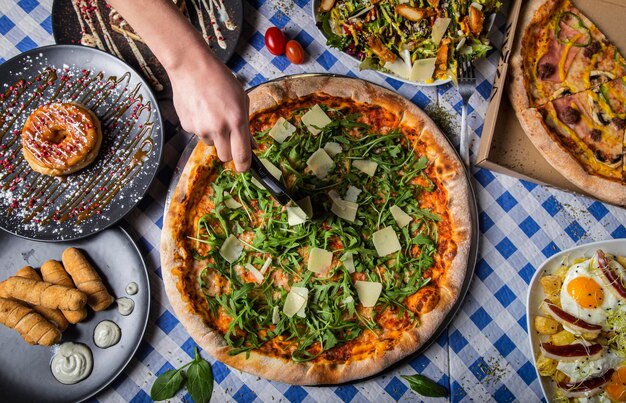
x=467 y=86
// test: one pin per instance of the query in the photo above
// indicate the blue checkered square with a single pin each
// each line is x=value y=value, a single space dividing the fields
x=244 y=394
x=28 y=5
x=167 y=322
x=257 y=40
x=279 y=19
x=394 y=83
x=481 y=318
x=483 y=270
x=575 y=231
x=507 y=201
x=506 y=248
x=5 y=25
x=141 y=397
x=598 y=210
x=484 y=177
x=281 y=62
x=479 y=368
x=504 y=345
x=346 y=393
x=485 y=222
x=552 y=206
x=527 y=373
x=396 y=388
x=304 y=38
x=295 y=394
x=504 y=395
x=220 y=371
x=327 y=60
x=527 y=272
x=620 y=232
x=457 y=341
x=505 y=296
x=26 y=44
x=550 y=249
x=529 y=226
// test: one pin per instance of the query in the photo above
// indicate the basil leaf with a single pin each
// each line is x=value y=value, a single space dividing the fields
x=167 y=384
x=200 y=380
x=425 y=386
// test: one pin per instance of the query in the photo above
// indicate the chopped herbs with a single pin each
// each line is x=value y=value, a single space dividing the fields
x=329 y=314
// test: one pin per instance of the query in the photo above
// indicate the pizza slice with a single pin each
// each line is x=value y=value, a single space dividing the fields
x=119 y=24
x=590 y=126
x=564 y=53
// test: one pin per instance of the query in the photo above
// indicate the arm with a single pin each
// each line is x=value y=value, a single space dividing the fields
x=209 y=100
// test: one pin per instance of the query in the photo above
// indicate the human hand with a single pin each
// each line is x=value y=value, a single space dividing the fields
x=211 y=103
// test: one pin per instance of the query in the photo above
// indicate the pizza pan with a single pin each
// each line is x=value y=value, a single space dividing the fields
x=535 y=296
x=49 y=208
x=473 y=210
x=25 y=373
x=66 y=29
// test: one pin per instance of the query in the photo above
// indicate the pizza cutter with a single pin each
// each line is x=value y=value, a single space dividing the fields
x=273 y=185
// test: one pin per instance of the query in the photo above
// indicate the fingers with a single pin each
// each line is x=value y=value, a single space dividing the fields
x=222 y=144
x=206 y=139
x=240 y=144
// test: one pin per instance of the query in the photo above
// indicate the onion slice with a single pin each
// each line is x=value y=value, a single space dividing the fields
x=572 y=352
x=569 y=320
x=610 y=275
x=587 y=388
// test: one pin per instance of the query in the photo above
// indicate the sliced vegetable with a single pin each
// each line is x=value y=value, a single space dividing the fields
x=423 y=69
x=368 y=292
x=296 y=216
x=255 y=273
x=319 y=260
x=231 y=249
x=320 y=163
x=282 y=130
x=230 y=202
x=366 y=166
x=439 y=29
x=573 y=21
x=332 y=148
x=315 y=119
x=348 y=262
x=402 y=218
x=386 y=241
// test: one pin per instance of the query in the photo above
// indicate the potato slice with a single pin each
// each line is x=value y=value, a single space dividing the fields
x=546 y=325
x=327 y=5
x=562 y=338
x=546 y=366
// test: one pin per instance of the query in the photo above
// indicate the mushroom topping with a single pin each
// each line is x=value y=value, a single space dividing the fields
x=596 y=135
x=598 y=76
x=570 y=116
x=593 y=48
x=544 y=70
x=620 y=123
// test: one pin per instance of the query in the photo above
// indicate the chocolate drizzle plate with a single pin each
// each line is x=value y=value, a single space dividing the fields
x=94 y=23
x=50 y=208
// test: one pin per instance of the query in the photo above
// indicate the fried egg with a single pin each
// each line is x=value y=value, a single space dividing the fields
x=584 y=369
x=586 y=295
x=616 y=388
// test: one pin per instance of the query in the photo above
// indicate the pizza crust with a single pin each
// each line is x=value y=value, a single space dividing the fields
x=534 y=12
x=451 y=173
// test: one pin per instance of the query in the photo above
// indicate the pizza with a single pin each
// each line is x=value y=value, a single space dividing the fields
x=356 y=275
x=568 y=89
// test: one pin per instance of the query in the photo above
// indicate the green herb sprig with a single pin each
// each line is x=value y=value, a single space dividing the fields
x=426 y=386
x=199 y=379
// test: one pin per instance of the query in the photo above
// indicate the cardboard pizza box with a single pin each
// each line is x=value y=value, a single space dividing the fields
x=504 y=147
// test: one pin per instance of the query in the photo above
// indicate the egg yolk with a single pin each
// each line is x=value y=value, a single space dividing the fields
x=616 y=388
x=586 y=292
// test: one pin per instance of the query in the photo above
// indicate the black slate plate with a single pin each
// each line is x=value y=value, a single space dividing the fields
x=67 y=30
x=25 y=374
x=54 y=209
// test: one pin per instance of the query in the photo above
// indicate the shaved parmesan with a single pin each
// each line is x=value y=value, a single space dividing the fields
x=423 y=69
x=334 y=196
x=333 y=148
x=352 y=194
x=319 y=260
x=386 y=241
x=293 y=303
x=345 y=209
x=304 y=293
x=306 y=206
x=295 y=216
x=439 y=29
x=366 y=166
x=402 y=218
x=230 y=202
x=315 y=119
x=282 y=130
x=320 y=163
x=348 y=262
x=257 y=274
x=347 y=300
x=368 y=292
x=461 y=43
x=231 y=249
x=275 y=315
x=272 y=169
x=266 y=265
x=399 y=68
x=477 y=6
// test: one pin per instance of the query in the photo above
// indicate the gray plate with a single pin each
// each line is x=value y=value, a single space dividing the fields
x=24 y=369
x=473 y=253
x=28 y=200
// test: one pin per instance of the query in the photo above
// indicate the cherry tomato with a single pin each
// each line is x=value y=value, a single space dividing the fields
x=275 y=41
x=295 y=53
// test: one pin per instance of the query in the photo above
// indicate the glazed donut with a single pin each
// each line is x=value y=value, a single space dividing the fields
x=61 y=138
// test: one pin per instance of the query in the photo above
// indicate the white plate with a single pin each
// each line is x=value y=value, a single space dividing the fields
x=536 y=294
x=315 y=4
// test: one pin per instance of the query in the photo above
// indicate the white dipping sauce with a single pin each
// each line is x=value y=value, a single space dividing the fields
x=125 y=306
x=106 y=334
x=72 y=363
x=132 y=288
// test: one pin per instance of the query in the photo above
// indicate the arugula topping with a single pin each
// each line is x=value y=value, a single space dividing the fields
x=333 y=316
x=199 y=381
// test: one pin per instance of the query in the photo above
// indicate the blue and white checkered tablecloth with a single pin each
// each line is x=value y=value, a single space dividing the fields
x=483 y=356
